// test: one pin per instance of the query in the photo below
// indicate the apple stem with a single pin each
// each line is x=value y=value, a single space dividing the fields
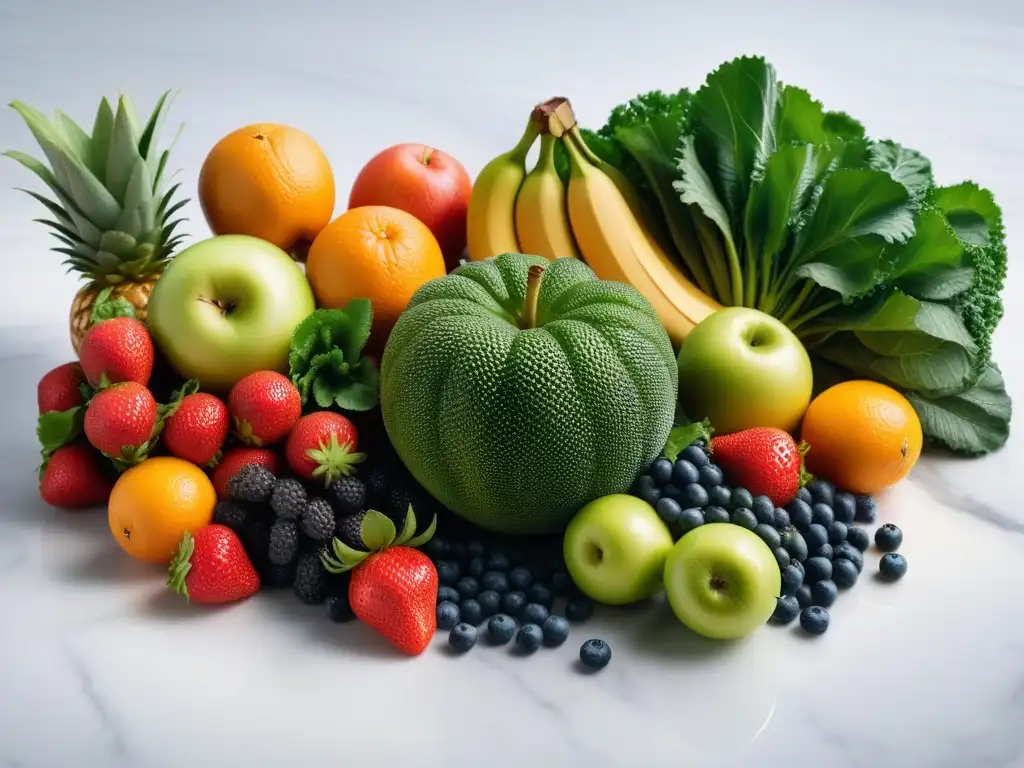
x=427 y=152
x=532 y=295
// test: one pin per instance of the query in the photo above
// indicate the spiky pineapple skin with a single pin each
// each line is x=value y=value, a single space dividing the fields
x=136 y=292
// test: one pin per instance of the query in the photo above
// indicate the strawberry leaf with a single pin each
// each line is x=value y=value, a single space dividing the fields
x=408 y=527
x=334 y=460
x=181 y=565
x=344 y=559
x=377 y=531
x=424 y=537
x=105 y=308
x=56 y=429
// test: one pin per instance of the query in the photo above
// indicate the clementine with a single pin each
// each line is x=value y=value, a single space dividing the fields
x=863 y=436
x=377 y=253
x=154 y=503
x=426 y=182
x=269 y=181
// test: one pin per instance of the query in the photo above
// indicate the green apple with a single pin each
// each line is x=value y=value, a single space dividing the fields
x=615 y=549
x=742 y=368
x=722 y=581
x=226 y=307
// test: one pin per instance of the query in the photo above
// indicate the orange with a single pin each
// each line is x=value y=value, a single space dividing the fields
x=269 y=181
x=154 y=503
x=864 y=436
x=378 y=253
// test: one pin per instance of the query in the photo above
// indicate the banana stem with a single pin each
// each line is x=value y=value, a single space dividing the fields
x=532 y=295
x=522 y=149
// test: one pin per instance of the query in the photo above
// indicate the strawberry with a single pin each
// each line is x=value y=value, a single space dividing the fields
x=322 y=446
x=264 y=407
x=121 y=420
x=197 y=428
x=212 y=567
x=61 y=388
x=764 y=460
x=233 y=461
x=393 y=586
x=73 y=477
x=119 y=349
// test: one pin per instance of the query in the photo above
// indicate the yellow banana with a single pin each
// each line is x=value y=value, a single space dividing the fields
x=490 y=219
x=542 y=218
x=616 y=246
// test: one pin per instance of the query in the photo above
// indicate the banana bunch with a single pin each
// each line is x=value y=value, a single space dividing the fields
x=596 y=216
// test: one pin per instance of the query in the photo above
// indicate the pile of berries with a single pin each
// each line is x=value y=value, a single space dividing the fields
x=815 y=538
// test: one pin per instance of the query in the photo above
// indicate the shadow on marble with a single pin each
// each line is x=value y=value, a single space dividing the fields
x=106 y=564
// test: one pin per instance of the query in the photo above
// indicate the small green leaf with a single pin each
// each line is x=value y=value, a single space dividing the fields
x=106 y=308
x=685 y=435
x=181 y=565
x=418 y=541
x=356 y=331
x=323 y=394
x=408 y=527
x=377 y=531
x=348 y=556
x=58 y=428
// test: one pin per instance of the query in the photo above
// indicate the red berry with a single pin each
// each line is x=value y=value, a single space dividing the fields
x=213 y=567
x=764 y=460
x=61 y=388
x=322 y=445
x=74 y=478
x=197 y=429
x=233 y=461
x=119 y=349
x=120 y=420
x=264 y=407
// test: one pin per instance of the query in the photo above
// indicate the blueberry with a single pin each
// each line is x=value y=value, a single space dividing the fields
x=534 y=613
x=710 y=475
x=822 y=514
x=814 y=620
x=781 y=519
x=520 y=577
x=668 y=509
x=822 y=492
x=470 y=612
x=494 y=580
x=451 y=594
x=561 y=583
x=671 y=492
x=541 y=594
x=837 y=533
x=741 y=497
x=844 y=573
x=684 y=473
x=858 y=537
x=490 y=602
x=498 y=561
x=888 y=537
x=803 y=595
x=892 y=566
x=764 y=510
x=799 y=513
x=460 y=551
x=339 y=610
x=476 y=549
x=846 y=551
x=792 y=579
x=475 y=567
x=787 y=608
x=720 y=496
x=795 y=544
x=695 y=455
x=529 y=638
x=649 y=494
x=715 y=515
x=500 y=629
x=579 y=609
x=866 y=509
x=690 y=519
x=845 y=507
x=661 y=472
x=556 y=630
x=468 y=586
x=437 y=549
x=744 y=517
x=824 y=593
x=768 y=535
x=513 y=603
x=462 y=637
x=798 y=564
x=448 y=573
x=447 y=615
x=826 y=551
x=595 y=654
x=643 y=485
x=815 y=536
x=694 y=495
x=805 y=496
x=781 y=556
x=817 y=569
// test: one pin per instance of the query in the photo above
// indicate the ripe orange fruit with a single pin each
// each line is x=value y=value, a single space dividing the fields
x=155 y=502
x=374 y=252
x=864 y=436
x=269 y=181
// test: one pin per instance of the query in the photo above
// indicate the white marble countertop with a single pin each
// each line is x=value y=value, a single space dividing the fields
x=99 y=666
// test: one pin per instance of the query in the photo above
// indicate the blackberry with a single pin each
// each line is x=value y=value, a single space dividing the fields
x=255 y=536
x=310 y=585
x=252 y=483
x=377 y=483
x=288 y=499
x=339 y=609
x=350 y=530
x=318 y=520
x=277 y=576
x=233 y=514
x=347 y=495
x=284 y=542
x=396 y=505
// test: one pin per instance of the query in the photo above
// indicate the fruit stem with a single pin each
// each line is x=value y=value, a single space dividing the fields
x=532 y=294
x=522 y=149
x=554 y=116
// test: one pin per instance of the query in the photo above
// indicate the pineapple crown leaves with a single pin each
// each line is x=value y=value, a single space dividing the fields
x=334 y=460
x=181 y=564
x=378 y=533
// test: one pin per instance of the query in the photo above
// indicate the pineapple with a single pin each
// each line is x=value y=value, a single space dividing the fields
x=112 y=205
